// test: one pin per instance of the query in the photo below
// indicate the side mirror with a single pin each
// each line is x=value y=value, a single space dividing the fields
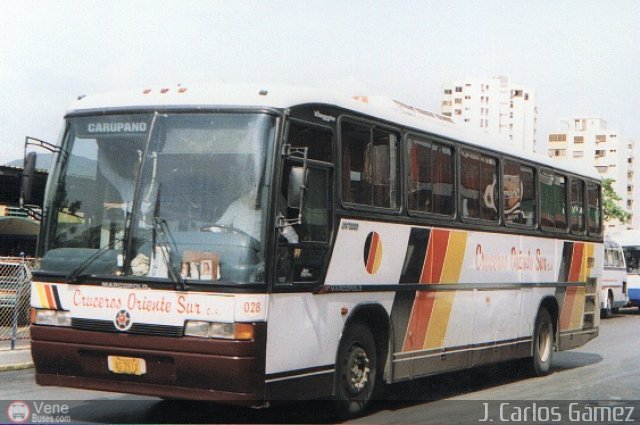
x=28 y=177
x=297 y=185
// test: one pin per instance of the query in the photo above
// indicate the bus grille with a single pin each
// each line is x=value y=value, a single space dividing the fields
x=136 y=328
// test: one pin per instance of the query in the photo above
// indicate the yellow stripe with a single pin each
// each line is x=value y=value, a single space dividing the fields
x=42 y=296
x=585 y=271
x=578 y=310
x=443 y=303
x=455 y=257
x=439 y=320
x=577 y=313
x=378 y=256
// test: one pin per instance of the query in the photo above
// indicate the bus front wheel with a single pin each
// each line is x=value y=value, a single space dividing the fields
x=355 y=371
x=542 y=344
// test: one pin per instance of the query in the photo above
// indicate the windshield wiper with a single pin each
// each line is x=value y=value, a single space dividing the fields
x=161 y=227
x=75 y=273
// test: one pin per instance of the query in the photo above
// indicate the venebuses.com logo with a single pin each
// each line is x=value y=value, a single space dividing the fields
x=38 y=412
x=18 y=412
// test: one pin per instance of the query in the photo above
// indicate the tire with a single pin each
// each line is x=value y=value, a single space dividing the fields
x=607 y=312
x=543 y=341
x=355 y=371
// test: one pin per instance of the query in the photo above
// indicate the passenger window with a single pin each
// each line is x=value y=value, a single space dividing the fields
x=560 y=188
x=553 y=204
x=577 y=206
x=318 y=140
x=431 y=171
x=594 y=218
x=518 y=185
x=479 y=188
x=369 y=165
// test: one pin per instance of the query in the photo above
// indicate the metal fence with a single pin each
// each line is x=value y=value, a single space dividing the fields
x=15 y=295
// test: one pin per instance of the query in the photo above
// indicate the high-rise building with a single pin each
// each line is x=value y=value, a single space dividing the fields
x=496 y=106
x=587 y=139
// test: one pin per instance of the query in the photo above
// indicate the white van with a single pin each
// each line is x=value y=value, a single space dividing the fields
x=613 y=292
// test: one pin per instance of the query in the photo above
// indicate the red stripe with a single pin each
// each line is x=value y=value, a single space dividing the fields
x=434 y=260
x=373 y=248
x=576 y=262
x=51 y=300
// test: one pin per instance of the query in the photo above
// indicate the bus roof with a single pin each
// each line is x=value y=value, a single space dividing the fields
x=282 y=97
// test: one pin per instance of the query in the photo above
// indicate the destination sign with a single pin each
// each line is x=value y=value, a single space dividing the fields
x=112 y=126
x=116 y=127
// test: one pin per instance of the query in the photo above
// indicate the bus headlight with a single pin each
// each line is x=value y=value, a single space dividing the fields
x=51 y=317
x=237 y=331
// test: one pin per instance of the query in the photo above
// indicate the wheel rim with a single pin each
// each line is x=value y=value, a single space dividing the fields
x=544 y=343
x=358 y=370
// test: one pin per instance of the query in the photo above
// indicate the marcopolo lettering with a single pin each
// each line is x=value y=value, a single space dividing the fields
x=116 y=127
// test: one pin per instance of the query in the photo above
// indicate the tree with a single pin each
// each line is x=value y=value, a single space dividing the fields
x=611 y=209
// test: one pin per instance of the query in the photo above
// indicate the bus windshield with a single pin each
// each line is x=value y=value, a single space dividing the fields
x=148 y=194
x=632 y=258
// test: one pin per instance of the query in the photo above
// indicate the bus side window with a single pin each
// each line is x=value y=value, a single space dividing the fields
x=560 y=188
x=553 y=200
x=577 y=206
x=479 y=185
x=594 y=222
x=369 y=165
x=318 y=140
x=431 y=171
x=518 y=185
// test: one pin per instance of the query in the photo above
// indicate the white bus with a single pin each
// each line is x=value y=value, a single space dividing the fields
x=630 y=242
x=250 y=244
x=613 y=291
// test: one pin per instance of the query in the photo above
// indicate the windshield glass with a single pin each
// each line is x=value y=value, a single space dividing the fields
x=142 y=194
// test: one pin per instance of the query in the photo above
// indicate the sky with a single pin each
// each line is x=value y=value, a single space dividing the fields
x=582 y=57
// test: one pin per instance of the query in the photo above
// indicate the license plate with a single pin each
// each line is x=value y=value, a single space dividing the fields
x=127 y=365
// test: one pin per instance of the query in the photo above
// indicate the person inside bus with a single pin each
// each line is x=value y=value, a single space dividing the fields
x=245 y=215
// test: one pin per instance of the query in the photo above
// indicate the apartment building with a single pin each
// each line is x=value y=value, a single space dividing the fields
x=588 y=139
x=494 y=105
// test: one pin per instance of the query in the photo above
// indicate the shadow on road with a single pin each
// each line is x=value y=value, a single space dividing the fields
x=394 y=397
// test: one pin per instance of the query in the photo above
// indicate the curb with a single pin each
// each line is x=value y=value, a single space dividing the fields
x=19 y=366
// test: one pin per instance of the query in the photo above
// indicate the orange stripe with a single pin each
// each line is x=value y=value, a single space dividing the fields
x=424 y=301
x=50 y=299
x=571 y=294
x=567 y=307
x=443 y=304
x=371 y=258
x=419 y=321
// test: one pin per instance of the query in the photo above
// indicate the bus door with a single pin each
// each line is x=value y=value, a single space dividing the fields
x=297 y=315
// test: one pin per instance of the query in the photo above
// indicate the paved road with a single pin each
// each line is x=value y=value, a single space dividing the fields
x=605 y=369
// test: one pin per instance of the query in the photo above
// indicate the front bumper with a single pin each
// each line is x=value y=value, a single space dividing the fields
x=177 y=367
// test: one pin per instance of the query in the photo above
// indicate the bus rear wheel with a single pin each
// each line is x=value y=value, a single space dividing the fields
x=355 y=371
x=543 y=341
